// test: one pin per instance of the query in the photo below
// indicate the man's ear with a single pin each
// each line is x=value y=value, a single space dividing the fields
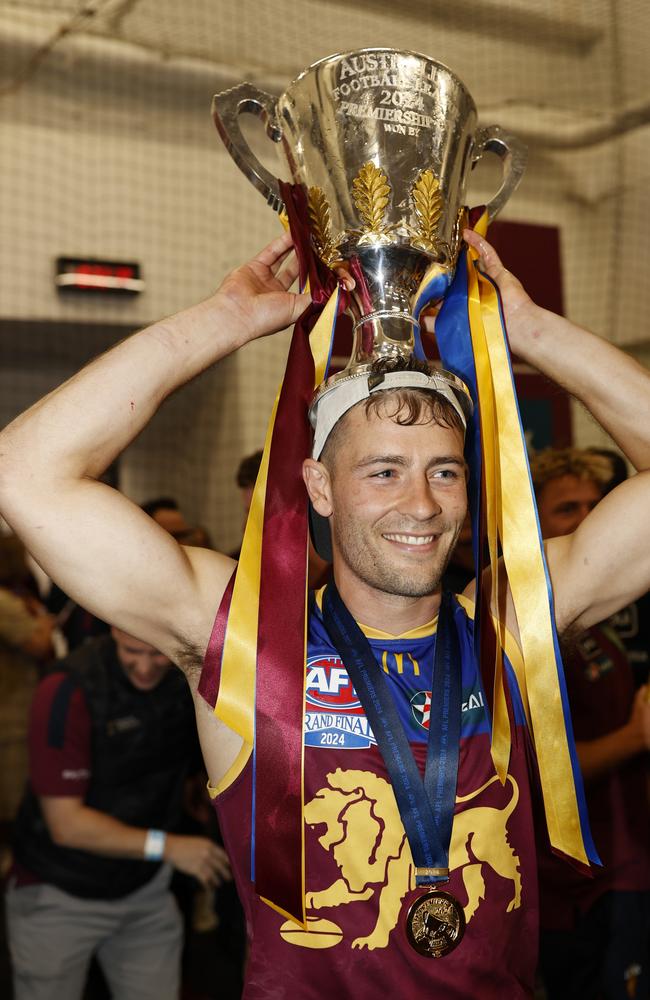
x=319 y=487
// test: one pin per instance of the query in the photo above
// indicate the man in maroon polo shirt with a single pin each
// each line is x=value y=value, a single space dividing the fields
x=112 y=741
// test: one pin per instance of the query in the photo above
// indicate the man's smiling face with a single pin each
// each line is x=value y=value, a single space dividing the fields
x=396 y=497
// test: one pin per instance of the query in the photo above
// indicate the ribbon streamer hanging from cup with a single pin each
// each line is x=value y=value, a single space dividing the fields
x=470 y=332
x=261 y=674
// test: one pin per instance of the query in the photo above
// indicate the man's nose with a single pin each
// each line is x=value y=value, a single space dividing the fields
x=145 y=668
x=421 y=502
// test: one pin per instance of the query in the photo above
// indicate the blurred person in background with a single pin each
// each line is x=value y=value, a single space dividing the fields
x=25 y=645
x=76 y=624
x=595 y=931
x=112 y=743
x=166 y=512
x=616 y=464
x=246 y=476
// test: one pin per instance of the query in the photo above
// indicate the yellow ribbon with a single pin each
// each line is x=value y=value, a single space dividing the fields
x=235 y=704
x=501 y=736
x=511 y=510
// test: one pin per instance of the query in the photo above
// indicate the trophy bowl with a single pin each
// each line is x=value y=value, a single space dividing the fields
x=382 y=142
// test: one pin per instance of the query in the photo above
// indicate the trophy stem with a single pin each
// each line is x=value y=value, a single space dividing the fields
x=383 y=314
x=382 y=334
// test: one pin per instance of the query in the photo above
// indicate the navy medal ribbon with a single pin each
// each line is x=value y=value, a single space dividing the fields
x=426 y=807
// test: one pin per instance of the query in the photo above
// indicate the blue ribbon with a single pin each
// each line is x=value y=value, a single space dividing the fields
x=457 y=355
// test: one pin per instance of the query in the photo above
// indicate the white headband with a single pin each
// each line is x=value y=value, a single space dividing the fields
x=329 y=407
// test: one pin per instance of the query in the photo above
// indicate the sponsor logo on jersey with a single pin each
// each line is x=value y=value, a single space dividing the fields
x=421 y=706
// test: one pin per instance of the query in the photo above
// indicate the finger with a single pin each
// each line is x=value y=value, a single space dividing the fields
x=201 y=875
x=221 y=866
x=345 y=278
x=289 y=272
x=221 y=875
x=217 y=860
x=300 y=303
x=281 y=262
x=428 y=323
x=276 y=249
x=489 y=257
x=290 y=306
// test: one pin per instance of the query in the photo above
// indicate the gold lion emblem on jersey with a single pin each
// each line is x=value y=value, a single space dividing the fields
x=364 y=834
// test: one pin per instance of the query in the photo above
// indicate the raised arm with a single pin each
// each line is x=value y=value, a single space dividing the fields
x=98 y=546
x=605 y=563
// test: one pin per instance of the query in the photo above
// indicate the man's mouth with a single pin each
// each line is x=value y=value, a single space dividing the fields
x=410 y=539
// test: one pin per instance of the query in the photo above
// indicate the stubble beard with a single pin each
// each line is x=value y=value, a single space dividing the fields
x=378 y=571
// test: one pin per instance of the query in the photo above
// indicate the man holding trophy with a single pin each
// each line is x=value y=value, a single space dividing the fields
x=370 y=750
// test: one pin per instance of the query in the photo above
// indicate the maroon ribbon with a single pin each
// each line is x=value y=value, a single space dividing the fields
x=280 y=666
x=211 y=671
x=281 y=632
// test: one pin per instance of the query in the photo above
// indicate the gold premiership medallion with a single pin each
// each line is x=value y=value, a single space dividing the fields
x=435 y=924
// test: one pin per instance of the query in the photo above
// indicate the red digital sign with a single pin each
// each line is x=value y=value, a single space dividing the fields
x=78 y=274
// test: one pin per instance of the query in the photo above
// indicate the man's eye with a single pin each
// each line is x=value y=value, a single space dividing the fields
x=446 y=474
x=384 y=474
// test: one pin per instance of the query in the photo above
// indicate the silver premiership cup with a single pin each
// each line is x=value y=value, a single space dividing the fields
x=382 y=143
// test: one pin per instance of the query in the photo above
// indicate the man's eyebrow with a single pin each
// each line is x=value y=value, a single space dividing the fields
x=401 y=460
x=381 y=460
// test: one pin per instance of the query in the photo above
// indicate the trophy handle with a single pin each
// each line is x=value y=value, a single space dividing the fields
x=226 y=110
x=512 y=151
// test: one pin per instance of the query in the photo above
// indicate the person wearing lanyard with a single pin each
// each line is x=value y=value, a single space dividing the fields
x=391 y=480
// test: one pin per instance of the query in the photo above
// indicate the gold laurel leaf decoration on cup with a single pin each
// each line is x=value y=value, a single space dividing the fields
x=427 y=200
x=371 y=192
x=456 y=239
x=325 y=244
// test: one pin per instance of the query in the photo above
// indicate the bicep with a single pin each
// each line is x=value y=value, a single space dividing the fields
x=117 y=563
x=605 y=563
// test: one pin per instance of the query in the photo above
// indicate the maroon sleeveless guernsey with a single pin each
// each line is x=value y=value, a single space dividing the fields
x=359 y=871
